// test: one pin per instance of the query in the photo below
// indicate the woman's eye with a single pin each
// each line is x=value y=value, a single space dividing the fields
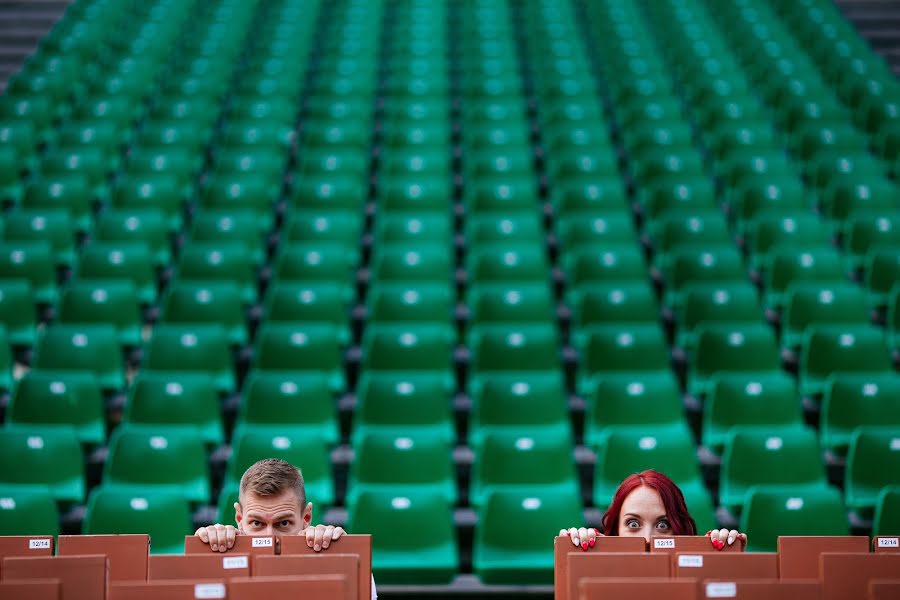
x=632 y=523
x=662 y=525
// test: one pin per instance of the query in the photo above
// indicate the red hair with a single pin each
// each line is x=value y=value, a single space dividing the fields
x=680 y=519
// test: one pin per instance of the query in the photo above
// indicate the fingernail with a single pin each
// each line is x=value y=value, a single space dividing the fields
x=576 y=541
x=730 y=540
x=721 y=544
x=214 y=547
x=584 y=545
x=591 y=543
x=317 y=548
x=567 y=534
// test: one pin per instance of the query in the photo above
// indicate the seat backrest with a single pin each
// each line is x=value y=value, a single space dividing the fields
x=761 y=589
x=798 y=556
x=346 y=565
x=645 y=588
x=312 y=587
x=846 y=575
x=84 y=576
x=127 y=553
x=622 y=564
x=199 y=567
x=719 y=565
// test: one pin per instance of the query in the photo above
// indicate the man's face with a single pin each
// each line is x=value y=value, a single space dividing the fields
x=272 y=515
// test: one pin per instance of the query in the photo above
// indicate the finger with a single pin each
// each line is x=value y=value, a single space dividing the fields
x=573 y=535
x=338 y=532
x=563 y=532
x=213 y=538
x=320 y=534
x=230 y=534
x=327 y=536
x=310 y=536
x=221 y=538
x=583 y=537
x=202 y=534
x=732 y=535
x=592 y=537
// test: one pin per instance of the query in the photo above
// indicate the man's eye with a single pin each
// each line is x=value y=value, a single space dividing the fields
x=256 y=523
x=285 y=523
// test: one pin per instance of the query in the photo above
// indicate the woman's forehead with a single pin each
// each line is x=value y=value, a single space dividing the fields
x=643 y=501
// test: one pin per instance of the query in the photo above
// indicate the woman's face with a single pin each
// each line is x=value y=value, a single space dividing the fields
x=643 y=514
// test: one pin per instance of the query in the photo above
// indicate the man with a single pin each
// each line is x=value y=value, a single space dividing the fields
x=272 y=501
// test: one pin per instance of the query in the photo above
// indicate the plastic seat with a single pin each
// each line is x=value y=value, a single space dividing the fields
x=624 y=450
x=108 y=302
x=39 y=459
x=847 y=199
x=219 y=261
x=887 y=512
x=789 y=265
x=191 y=348
x=33 y=262
x=17 y=311
x=521 y=559
x=169 y=400
x=852 y=401
x=332 y=190
x=882 y=271
x=604 y=196
x=628 y=302
x=62 y=191
x=720 y=266
x=768 y=514
x=213 y=303
x=154 y=191
x=499 y=196
x=249 y=191
x=777 y=230
x=316 y=262
x=585 y=231
x=28 y=512
x=817 y=304
x=514 y=461
x=870 y=232
x=216 y=225
x=120 y=261
x=677 y=230
x=308 y=454
x=873 y=463
x=608 y=350
x=166 y=516
x=405 y=559
x=136 y=225
x=412 y=403
x=613 y=265
x=636 y=399
x=676 y=193
x=300 y=347
x=401 y=465
x=501 y=264
x=503 y=228
x=708 y=304
x=408 y=347
x=51 y=225
x=296 y=404
x=513 y=348
x=829 y=350
x=767 y=401
x=309 y=302
x=745 y=348
x=514 y=304
x=69 y=399
x=756 y=457
x=147 y=460
x=91 y=348
x=324 y=224
x=410 y=303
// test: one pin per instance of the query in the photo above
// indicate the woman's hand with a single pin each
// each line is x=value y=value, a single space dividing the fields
x=584 y=537
x=723 y=537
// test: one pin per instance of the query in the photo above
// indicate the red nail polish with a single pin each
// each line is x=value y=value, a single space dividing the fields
x=584 y=545
x=567 y=534
x=591 y=543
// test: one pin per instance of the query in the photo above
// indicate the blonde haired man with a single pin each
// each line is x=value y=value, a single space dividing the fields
x=272 y=501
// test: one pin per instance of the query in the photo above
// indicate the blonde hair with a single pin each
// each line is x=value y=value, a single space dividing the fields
x=271 y=477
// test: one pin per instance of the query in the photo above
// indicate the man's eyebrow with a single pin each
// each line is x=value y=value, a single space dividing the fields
x=283 y=516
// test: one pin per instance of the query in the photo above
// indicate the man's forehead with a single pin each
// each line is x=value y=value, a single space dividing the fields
x=270 y=506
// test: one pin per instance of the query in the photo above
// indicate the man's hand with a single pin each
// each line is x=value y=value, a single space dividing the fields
x=320 y=537
x=219 y=537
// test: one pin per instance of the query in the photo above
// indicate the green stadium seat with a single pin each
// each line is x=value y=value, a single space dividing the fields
x=120 y=261
x=309 y=302
x=767 y=401
x=225 y=506
x=505 y=229
x=219 y=261
x=62 y=191
x=332 y=190
x=300 y=347
x=584 y=231
x=636 y=399
x=499 y=263
x=307 y=453
x=873 y=463
x=151 y=191
x=852 y=401
x=35 y=458
x=399 y=558
x=296 y=403
x=887 y=512
x=145 y=225
x=191 y=348
x=17 y=311
x=179 y=162
x=847 y=199
x=28 y=512
x=615 y=264
x=575 y=199
x=512 y=304
x=674 y=193
x=776 y=230
x=609 y=350
x=160 y=399
x=721 y=266
x=527 y=404
x=788 y=266
x=211 y=302
x=770 y=513
x=69 y=399
x=499 y=558
x=150 y=460
x=677 y=230
x=164 y=515
x=410 y=303
x=711 y=305
x=731 y=348
x=316 y=261
x=91 y=348
x=513 y=348
x=867 y=233
x=50 y=224
x=228 y=225
x=829 y=350
x=882 y=272
x=323 y=224
x=33 y=262
x=756 y=457
x=499 y=196
x=515 y=461
x=408 y=347
x=419 y=194
x=628 y=302
x=112 y=302
x=817 y=304
x=401 y=465
x=250 y=191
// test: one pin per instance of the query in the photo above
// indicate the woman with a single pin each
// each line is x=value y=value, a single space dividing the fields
x=649 y=504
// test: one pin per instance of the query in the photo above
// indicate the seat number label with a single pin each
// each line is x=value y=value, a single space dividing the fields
x=234 y=562
x=889 y=542
x=209 y=590
x=726 y=589
x=38 y=544
x=690 y=560
x=664 y=543
x=262 y=542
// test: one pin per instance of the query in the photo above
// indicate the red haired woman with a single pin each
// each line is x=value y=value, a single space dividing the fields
x=649 y=504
